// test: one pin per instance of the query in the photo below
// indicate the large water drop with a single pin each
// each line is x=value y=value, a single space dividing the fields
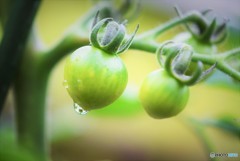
x=79 y=109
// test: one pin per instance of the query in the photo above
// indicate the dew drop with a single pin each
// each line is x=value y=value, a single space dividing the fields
x=79 y=109
x=65 y=84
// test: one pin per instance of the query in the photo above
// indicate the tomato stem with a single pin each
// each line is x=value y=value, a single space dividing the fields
x=21 y=15
x=194 y=17
x=152 y=46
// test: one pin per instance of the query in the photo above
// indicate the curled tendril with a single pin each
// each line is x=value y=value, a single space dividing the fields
x=109 y=36
x=178 y=57
x=211 y=33
x=160 y=53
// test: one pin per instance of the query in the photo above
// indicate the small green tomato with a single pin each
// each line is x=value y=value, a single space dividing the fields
x=94 y=78
x=162 y=96
x=94 y=75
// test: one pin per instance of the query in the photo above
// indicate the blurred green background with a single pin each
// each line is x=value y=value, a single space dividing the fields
x=123 y=131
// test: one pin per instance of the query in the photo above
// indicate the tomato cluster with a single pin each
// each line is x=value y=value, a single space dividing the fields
x=95 y=76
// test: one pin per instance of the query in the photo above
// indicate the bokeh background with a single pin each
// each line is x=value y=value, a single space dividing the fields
x=123 y=131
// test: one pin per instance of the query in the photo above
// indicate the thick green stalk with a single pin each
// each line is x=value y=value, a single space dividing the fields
x=5 y=6
x=30 y=92
x=144 y=45
x=12 y=45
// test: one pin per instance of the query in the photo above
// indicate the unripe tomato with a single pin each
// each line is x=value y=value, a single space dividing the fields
x=162 y=96
x=94 y=78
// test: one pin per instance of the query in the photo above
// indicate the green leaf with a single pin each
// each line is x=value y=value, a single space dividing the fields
x=226 y=123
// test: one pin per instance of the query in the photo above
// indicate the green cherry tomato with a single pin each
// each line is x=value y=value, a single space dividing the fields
x=94 y=78
x=162 y=96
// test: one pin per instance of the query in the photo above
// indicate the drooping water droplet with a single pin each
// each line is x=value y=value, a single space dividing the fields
x=65 y=84
x=79 y=109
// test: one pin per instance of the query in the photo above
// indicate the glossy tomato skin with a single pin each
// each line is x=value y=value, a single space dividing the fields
x=162 y=96
x=94 y=78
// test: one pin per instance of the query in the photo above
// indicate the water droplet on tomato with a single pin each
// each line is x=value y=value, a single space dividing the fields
x=65 y=84
x=79 y=109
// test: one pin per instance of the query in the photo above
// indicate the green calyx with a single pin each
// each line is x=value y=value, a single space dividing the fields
x=109 y=36
x=209 y=32
x=178 y=60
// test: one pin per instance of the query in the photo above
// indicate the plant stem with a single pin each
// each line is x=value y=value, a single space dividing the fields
x=52 y=56
x=13 y=42
x=224 y=67
x=221 y=64
x=4 y=11
x=144 y=45
x=151 y=46
x=191 y=17
x=30 y=91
